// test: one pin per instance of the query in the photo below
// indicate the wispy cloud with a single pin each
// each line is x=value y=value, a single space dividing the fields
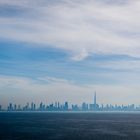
x=81 y=27
x=81 y=45
x=19 y=59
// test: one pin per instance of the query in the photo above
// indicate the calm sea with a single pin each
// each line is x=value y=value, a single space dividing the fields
x=69 y=126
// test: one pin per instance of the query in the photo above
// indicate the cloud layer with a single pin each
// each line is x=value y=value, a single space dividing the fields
x=80 y=27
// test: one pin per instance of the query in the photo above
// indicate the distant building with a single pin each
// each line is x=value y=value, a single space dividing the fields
x=66 y=106
x=10 y=107
x=94 y=106
x=94 y=99
x=19 y=108
x=41 y=106
x=75 y=108
x=85 y=107
x=15 y=107
x=33 y=106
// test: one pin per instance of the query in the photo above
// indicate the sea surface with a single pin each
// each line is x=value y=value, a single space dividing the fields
x=69 y=126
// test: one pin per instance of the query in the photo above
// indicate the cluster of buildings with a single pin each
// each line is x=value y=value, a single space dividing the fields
x=65 y=107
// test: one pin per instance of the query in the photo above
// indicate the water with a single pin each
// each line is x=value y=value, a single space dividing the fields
x=69 y=126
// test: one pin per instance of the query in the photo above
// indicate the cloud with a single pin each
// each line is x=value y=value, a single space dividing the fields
x=80 y=56
x=53 y=80
x=79 y=27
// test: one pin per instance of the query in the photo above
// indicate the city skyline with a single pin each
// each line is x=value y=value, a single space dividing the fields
x=57 y=106
x=66 y=49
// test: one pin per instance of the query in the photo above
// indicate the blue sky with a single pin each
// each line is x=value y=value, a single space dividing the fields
x=67 y=49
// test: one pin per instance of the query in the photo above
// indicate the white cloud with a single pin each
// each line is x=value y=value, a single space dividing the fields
x=123 y=65
x=53 y=80
x=81 y=27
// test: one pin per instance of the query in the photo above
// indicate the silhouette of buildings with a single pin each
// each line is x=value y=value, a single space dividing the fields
x=57 y=106
x=94 y=106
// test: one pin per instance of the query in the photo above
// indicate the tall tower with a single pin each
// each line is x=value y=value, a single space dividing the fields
x=95 y=98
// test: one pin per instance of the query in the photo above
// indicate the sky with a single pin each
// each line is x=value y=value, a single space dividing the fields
x=65 y=50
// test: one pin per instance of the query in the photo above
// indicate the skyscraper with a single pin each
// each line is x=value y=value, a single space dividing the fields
x=66 y=106
x=95 y=98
